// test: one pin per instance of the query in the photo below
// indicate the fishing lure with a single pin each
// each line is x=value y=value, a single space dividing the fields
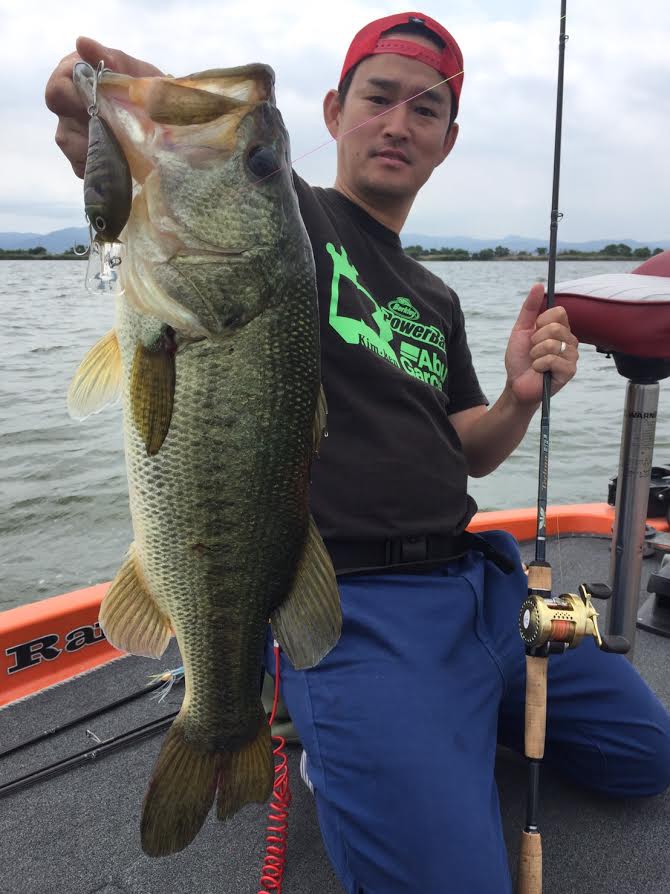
x=108 y=193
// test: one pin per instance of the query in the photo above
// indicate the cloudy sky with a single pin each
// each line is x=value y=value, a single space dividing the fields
x=497 y=181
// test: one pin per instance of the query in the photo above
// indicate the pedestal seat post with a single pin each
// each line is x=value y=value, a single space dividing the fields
x=635 y=463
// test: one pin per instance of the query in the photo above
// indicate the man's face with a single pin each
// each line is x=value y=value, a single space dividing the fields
x=390 y=157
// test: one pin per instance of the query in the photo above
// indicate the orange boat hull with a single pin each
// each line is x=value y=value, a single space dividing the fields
x=52 y=640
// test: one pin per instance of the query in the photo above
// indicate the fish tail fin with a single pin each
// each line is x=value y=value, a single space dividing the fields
x=180 y=794
x=247 y=775
x=184 y=783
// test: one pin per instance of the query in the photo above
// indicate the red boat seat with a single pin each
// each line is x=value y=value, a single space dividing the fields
x=628 y=313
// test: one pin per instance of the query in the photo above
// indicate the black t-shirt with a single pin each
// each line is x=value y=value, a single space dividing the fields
x=395 y=364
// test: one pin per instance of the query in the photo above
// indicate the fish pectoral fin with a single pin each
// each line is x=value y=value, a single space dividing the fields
x=320 y=419
x=308 y=622
x=152 y=384
x=97 y=381
x=247 y=775
x=130 y=617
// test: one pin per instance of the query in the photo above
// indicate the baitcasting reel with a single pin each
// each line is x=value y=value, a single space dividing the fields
x=561 y=622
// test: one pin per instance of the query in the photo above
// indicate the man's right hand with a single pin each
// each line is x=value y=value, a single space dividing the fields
x=64 y=100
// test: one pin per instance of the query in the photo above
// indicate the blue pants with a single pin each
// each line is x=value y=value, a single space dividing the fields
x=400 y=724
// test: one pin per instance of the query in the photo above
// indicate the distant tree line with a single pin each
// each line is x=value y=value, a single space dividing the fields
x=619 y=251
x=40 y=253
x=609 y=252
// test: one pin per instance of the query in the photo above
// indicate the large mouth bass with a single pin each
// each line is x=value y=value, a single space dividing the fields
x=216 y=354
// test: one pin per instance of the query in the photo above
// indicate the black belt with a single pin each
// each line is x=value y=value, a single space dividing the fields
x=409 y=555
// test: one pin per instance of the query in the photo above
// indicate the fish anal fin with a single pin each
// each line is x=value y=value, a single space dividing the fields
x=152 y=384
x=97 y=381
x=130 y=617
x=308 y=622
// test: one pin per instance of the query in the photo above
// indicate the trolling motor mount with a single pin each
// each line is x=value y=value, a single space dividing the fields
x=632 y=498
x=655 y=613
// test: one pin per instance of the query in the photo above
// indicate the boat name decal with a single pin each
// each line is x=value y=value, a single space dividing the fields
x=46 y=648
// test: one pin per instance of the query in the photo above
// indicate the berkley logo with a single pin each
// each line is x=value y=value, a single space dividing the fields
x=403 y=307
x=48 y=647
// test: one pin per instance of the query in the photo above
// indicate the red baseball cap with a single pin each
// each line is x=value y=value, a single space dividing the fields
x=369 y=40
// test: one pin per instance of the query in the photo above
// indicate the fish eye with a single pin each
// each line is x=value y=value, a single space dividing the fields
x=262 y=161
x=100 y=223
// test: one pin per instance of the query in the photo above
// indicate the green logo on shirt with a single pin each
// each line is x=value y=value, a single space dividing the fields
x=376 y=338
x=376 y=328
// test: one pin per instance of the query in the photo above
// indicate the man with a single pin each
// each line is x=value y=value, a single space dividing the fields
x=429 y=629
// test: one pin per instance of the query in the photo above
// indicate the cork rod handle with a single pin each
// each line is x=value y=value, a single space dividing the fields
x=536 y=706
x=529 y=879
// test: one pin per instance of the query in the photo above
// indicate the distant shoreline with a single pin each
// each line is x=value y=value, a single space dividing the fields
x=21 y=256
x=562 y=257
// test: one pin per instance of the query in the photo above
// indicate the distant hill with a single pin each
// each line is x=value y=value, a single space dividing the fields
x=61 y=240
x=58 y=241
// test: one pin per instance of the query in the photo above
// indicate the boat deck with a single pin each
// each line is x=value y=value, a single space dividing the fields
x=80 y=831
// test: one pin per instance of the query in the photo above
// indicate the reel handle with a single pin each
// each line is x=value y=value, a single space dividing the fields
x=617 y=644
x=598 y=591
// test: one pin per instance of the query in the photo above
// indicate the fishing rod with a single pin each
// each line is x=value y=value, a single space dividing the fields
x=169 y=679
x=549 y=625
x=539 y=571
x=88 y=754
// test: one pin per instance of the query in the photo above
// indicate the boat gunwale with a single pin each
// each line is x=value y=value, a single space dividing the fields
x=69 y=622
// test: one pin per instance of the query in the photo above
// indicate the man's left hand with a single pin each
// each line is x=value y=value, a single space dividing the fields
x=540 y=343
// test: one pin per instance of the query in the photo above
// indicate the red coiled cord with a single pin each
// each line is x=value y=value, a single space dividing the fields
x=272 y=873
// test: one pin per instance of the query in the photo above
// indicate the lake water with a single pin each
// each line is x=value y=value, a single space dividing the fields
x=64 y=520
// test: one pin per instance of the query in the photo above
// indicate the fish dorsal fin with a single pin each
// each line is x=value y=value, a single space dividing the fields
x=97 y=381
x=308 y=623
x=152 y=384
